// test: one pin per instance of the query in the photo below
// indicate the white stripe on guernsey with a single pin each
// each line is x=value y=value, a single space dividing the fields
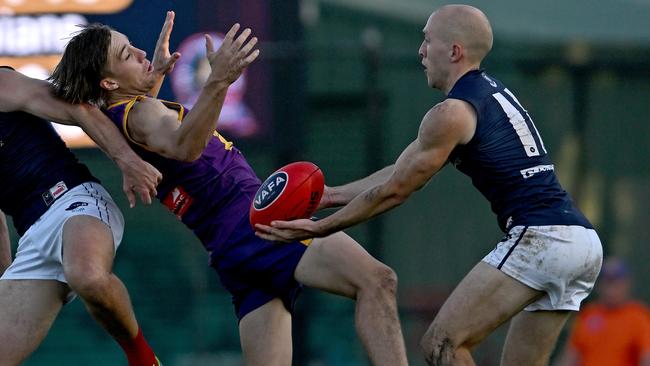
x=529 y=118
x=519 y=124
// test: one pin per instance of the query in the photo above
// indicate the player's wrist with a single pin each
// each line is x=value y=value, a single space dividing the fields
x=334 y=198
x=125 y=159
x=323 y=227
x=216 y=83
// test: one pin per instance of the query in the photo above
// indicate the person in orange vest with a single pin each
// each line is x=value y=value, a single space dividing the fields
x=614 y=330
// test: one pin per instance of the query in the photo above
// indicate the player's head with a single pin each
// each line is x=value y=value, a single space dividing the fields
x=456 y=38
x=615 y=282
x=99 y=61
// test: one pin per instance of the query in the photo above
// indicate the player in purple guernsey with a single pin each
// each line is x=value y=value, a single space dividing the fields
x=548 y=261
x=189 y=189
x=209 y=185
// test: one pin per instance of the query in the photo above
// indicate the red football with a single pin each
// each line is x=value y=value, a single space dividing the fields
x=292 y=192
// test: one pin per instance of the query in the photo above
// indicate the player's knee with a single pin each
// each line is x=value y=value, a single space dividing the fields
x=384 y=280
x=87 y=281
x=389 y=280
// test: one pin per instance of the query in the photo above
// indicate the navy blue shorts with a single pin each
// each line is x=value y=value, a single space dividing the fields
x=256 y=271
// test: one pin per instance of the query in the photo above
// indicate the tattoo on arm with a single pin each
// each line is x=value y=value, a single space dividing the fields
x=371 y=194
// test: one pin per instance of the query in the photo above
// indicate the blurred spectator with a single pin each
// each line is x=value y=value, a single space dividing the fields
x=614 y=330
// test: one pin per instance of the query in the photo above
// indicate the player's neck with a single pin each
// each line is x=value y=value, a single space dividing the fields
x=120 y=95
x=457 y=73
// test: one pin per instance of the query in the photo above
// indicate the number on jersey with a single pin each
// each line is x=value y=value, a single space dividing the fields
x=521 y=125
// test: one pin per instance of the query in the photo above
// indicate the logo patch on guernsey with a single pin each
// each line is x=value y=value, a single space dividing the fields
x=178 y=201
x=53 y=193
x=492 y=82
x=270 y=190
x=527 y=173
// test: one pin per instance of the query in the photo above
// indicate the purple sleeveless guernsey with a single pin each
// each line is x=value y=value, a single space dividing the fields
x=210 y=195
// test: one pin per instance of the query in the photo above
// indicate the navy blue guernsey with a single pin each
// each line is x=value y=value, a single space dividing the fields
x=33 y=162
x=507 y=160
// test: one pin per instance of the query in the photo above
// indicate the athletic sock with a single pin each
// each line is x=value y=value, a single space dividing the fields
x=138 y=352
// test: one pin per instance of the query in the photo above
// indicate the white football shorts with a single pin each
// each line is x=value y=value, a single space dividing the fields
x=563 y=261
x=40 y=250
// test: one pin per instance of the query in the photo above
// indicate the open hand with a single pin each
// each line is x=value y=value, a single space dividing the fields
x=141 y=178
x=163 y=62
x=234 y=55
x=288 y=231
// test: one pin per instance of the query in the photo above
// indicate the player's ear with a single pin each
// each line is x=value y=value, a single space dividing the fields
x=456 y=52
x=108 y=84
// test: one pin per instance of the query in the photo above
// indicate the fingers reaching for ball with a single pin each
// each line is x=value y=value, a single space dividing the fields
x=288 y=231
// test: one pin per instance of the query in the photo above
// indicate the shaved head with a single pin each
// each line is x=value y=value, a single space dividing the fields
x=465 y=25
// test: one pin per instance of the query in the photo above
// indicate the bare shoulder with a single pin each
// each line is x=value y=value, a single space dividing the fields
x=148 y=111
x=146 y=106
x=143 y=118
x=150 y=117
x=453 y=118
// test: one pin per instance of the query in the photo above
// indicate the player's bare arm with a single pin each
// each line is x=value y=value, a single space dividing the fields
x=445 y=126
x=157 y=127
x=35 y=97
x=5 y=244
x=163 y=62
x=342 y=195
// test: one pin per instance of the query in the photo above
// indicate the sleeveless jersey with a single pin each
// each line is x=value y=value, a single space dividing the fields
x=507 y=160
x=36 y=168
x=210 y=195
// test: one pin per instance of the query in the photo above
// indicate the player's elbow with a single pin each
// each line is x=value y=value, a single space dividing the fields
x=183 y=155
x=79 y=114
x=401 y=196
x=174 y=151
x=186 y=150
x=194 y=152
x=396 y=194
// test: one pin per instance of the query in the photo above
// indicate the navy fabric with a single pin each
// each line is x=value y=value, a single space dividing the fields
x=507 y=160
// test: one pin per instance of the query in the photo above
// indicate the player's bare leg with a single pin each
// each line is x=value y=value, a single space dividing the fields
x=532 y=336
x=88 y=253
x=340 y=265
x=29 y=308
x=483 y=300
x=265 y=335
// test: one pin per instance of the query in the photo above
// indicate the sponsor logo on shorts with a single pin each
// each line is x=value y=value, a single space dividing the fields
x=53 y=193
x=58 y=189
x=527 y=173
x=270 y=190
x=77 y=206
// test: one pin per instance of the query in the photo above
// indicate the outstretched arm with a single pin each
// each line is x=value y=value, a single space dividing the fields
x=342 y=195
x=445 y=126
x=155 y=126
x=5 y=244
x=35 y=97
x=163 y=62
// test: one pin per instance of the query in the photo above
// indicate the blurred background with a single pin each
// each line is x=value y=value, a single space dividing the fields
x=339 y=83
